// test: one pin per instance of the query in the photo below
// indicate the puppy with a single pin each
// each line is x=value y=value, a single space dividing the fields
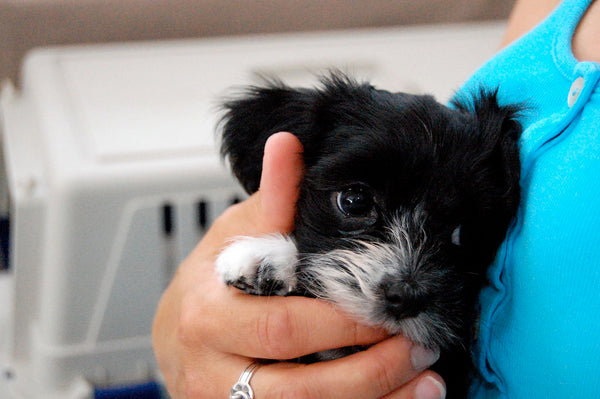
x=402 y=207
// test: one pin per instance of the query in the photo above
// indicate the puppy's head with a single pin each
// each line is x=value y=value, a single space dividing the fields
x=404 y=201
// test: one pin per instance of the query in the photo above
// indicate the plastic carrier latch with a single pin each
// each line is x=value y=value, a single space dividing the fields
x=147 y=390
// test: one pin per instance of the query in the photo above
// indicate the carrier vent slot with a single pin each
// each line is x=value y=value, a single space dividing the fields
x=168 y=219
x=4 y=242
x=202 y=214
x=5 y=212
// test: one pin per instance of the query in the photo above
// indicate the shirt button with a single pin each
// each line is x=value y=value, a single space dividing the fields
x=575 y=91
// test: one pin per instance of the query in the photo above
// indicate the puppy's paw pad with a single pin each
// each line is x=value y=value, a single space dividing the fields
x=261 y=266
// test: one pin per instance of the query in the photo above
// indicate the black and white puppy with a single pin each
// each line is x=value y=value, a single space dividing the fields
x=402 y=207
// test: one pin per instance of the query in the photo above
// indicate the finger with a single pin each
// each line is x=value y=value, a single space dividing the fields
x=269 y=327
x=384 y=368
x=282 y=170
x=371 y=374
x=428 y=385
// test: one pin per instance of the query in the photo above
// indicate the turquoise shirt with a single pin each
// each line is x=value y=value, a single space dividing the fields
x=540 y=324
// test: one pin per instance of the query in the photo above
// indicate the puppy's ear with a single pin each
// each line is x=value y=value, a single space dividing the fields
x=500 y=130
x=498 y=133
x=250 y=119
x=496 y=168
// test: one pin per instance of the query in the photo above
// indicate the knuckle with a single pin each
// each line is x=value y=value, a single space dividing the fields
x=355 y=333
x=275 y=331
x=188 y=327
x=383 y=375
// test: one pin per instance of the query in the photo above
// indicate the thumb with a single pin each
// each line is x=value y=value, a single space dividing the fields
x=272 y=208
x=279 y=185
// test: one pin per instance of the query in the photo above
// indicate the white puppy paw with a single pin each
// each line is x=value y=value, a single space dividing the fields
x=260 y=265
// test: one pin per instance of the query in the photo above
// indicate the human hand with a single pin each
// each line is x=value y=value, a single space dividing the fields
x=205 y=334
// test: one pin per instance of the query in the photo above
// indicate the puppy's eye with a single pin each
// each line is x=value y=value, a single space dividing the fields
x=455 y=237
x=355 y=201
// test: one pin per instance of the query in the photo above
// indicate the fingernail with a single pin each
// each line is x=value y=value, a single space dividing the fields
x=422 y=358
x=430 y=388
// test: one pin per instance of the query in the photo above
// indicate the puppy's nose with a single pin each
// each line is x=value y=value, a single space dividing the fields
x=404 y=299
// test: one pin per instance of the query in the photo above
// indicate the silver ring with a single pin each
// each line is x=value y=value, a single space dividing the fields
x=242 y=389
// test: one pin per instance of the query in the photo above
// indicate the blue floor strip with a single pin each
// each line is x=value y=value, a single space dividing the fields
x=148 y=390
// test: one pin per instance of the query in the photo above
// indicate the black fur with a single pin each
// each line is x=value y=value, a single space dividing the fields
x=395 y=154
